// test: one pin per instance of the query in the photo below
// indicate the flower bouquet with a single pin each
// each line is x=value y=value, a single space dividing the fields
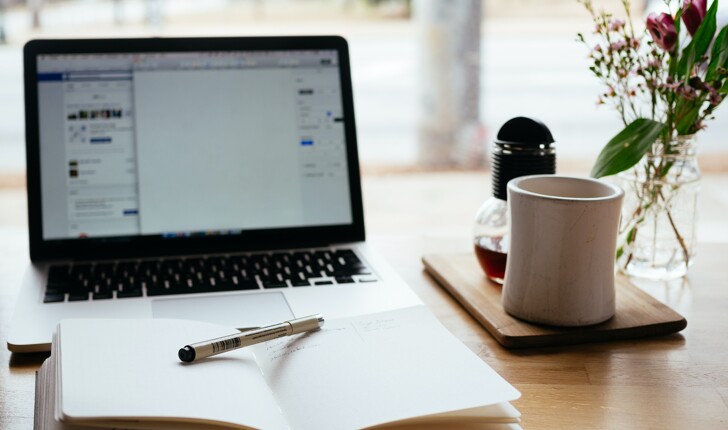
x=665 y=85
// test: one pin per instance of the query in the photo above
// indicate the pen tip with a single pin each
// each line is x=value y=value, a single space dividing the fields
x=186 y=354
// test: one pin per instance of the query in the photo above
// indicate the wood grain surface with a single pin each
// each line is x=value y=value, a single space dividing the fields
x=637 y=315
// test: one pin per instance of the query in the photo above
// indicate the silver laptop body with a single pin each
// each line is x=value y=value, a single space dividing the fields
x=212 y=179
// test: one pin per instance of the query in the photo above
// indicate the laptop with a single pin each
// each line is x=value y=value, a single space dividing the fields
x=212 y=179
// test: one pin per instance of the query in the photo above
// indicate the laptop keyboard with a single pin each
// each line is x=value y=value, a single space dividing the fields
x=139 y=278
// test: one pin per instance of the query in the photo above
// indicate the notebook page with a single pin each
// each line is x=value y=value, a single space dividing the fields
x=45 y=400
x=129 y=369
x=373 y=369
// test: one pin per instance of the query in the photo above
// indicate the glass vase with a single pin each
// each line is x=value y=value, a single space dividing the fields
x=657 y=230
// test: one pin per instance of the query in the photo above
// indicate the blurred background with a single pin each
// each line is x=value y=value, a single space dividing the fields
x=433 y=79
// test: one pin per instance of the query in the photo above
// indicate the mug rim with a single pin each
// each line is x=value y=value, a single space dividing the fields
x=514 y=186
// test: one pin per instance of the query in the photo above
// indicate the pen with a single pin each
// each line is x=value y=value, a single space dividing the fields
x=208 y=348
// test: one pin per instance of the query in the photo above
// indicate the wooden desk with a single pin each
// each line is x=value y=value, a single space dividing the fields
x=679 y=382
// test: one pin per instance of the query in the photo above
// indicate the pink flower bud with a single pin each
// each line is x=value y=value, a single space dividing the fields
x=688 y=93
x=618 y=45
x=715 y=99
x=617 y=24
x=693 y=14
x=662 y=30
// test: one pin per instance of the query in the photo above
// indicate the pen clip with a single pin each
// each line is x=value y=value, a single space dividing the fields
x=244 y=329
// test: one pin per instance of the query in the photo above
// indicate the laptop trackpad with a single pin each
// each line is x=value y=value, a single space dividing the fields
x=236 y=311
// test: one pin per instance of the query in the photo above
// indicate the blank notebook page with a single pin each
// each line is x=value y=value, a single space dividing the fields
x=143 y=377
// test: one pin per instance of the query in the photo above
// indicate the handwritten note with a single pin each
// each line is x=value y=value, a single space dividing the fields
x=332 y=335
x=378 y=324
x=283 y=348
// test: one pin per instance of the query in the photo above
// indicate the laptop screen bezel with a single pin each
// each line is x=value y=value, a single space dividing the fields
x=156 y=245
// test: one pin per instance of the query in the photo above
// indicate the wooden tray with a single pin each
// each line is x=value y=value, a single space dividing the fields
x=638 y=314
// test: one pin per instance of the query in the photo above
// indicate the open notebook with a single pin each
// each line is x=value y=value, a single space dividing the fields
x=397 y=368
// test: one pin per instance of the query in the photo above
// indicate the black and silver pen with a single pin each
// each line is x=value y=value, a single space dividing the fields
x=208 y=348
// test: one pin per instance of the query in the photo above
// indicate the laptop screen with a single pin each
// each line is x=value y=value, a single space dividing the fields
x=184 y=144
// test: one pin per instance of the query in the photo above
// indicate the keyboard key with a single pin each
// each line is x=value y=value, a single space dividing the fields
x=323 y=282
x=190 y=282
x=218 y=287
x=244 y=284
x=81 y=286
x=54 y=297
x=344 y=280
x=129 y=293
x=103 y=295
x=77 y=296
x=303 y=283
x=301 y=275
x=169 y=291
x=52 y=289
x=274 y=284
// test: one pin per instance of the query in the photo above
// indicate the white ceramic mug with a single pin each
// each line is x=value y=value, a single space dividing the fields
x=560 y=267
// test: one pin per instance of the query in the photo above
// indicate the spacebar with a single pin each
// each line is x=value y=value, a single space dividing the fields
x=245 y=285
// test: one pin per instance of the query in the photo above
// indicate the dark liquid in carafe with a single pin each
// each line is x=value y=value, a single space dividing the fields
x=492 y=262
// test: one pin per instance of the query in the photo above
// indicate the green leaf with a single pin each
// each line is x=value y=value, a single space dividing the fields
x=626 y=148
x=718 y=55
x=700 y=43
x=706 y=31
x=687 y=114
x=672 y=68
x=687 y=61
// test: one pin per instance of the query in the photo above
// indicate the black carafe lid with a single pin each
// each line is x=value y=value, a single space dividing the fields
x=523 y=147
